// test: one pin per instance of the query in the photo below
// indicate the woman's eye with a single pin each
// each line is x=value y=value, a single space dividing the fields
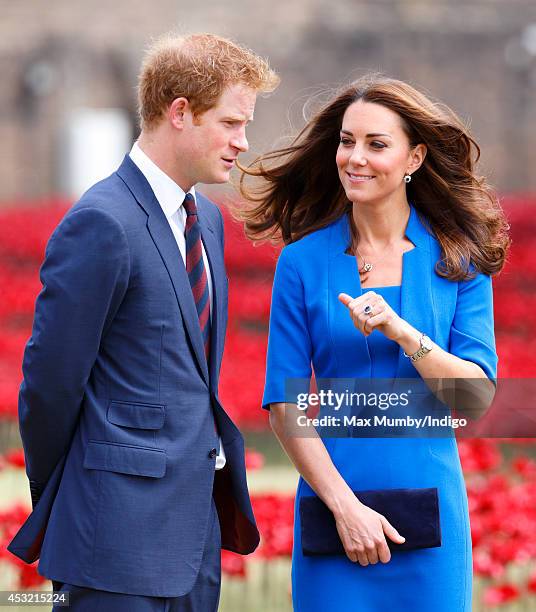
x=378 y=145
x=346 y=141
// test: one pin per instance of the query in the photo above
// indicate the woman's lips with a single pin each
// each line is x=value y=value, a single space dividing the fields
x=359 y=178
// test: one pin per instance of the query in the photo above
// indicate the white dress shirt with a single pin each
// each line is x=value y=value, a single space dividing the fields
x=170 y=197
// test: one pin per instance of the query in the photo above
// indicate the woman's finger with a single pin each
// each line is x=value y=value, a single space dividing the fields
x=363 y=559
x=372 y=554
x=345 y=298
x=391 y=532
x=352 y=556
x=384 y=553
x=369 y=323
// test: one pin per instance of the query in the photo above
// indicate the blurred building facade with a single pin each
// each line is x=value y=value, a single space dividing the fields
x=60 y=57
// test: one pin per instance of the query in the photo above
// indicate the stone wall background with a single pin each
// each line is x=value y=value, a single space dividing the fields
x=477 y=56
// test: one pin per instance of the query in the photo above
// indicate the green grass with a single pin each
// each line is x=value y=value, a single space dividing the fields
x=267 y=589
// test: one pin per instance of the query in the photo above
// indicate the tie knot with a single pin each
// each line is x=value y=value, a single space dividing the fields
x=189 y=205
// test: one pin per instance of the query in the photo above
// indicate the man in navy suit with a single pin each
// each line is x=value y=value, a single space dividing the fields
x=137 y=473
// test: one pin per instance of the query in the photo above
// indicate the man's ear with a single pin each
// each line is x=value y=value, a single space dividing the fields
x=176 y=112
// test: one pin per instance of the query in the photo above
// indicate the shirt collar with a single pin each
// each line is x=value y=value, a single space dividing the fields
x=169 y=195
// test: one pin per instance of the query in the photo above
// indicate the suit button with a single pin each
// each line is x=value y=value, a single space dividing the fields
x=213 y=452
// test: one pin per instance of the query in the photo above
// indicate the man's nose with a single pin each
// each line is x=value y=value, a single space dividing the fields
x=240 y=142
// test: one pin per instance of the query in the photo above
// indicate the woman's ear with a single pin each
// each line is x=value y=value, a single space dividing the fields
x=416 y=157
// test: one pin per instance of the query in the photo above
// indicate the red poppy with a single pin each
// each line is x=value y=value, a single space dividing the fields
x=15 y=457
x=498 y=595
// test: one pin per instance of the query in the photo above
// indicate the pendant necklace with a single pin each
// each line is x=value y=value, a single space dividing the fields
x=368 y=266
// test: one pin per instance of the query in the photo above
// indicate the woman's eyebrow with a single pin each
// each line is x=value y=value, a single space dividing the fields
x=371 y=135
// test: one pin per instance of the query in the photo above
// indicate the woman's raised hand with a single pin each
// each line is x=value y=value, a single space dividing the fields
x=370 y=311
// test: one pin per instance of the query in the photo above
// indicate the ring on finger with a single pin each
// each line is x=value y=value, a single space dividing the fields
x=368 y=310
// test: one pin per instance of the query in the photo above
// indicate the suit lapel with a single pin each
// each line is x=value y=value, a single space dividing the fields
x=164 y=240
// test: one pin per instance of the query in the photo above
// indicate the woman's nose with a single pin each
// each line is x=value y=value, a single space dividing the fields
x=357 y=158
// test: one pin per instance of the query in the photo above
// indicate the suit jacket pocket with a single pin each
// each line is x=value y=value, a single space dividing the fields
x=138 y=416
x=125 y=459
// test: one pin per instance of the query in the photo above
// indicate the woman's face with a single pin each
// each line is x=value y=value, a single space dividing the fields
x=374 y=154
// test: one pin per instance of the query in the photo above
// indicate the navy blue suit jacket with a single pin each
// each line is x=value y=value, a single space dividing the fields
x=116 y=407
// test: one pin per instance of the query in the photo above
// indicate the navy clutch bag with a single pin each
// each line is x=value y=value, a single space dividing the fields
x=413 y=512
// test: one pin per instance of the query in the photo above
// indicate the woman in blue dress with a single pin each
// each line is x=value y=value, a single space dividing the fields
x=390 y=244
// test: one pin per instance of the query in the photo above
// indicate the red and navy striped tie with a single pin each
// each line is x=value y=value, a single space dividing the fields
x=196 y=269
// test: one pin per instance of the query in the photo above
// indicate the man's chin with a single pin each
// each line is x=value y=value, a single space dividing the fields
x=218 y=179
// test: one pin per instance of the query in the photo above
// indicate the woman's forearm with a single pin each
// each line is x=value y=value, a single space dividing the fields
x=459 y=383
x=307 y=452
x=362 y=530
x=438 y=363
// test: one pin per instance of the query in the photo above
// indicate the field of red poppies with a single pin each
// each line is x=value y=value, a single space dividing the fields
x=500 y=474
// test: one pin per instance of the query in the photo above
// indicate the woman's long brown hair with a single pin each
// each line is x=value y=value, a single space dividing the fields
x=298 y=189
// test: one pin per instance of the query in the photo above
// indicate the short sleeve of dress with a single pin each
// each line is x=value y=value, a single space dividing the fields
x=472 y=334
x=289 y=344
